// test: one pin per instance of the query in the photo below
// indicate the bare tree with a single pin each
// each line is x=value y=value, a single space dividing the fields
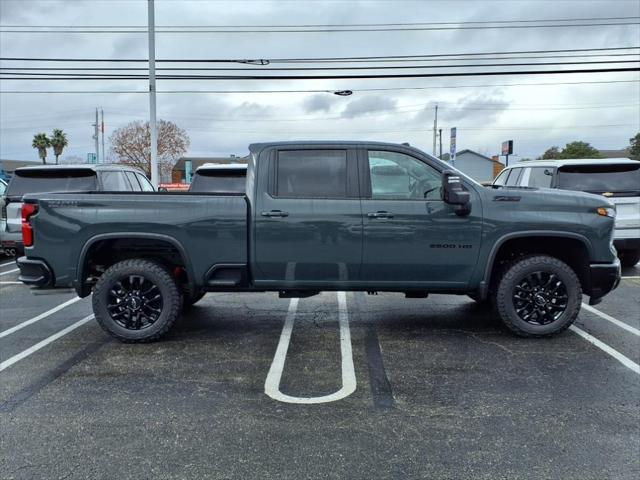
x=131 y=145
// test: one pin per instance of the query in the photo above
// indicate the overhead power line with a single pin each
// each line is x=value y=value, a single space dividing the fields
x=320 y=77
x=27 y=70
x=318 y=59
x=318 y=29
x=381 y=89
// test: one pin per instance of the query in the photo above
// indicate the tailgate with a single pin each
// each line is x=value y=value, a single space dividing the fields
x=627 y=212
x=14 y=216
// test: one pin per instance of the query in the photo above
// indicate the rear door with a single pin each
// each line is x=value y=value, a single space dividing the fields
x=44 y=180
x=308 y=221
x=410 y=236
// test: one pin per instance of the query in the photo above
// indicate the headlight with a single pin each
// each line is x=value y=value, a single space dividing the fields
x=606 y=212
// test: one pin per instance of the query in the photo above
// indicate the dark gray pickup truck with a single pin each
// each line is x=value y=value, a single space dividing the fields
x=320 y=216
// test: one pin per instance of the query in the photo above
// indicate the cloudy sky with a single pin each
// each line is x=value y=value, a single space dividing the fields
x=486 y=110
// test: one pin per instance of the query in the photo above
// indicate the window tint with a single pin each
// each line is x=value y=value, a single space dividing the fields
x=501 y=179
x=114 y=182
x=514 y=177
x=312 y=174
x=135 y=185
x=219 y=181
x=145 y=183
x=51 y=180
x=540 y=177
x=621 y=180
x=399 y=176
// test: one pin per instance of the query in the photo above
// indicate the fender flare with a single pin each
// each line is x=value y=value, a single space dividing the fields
x=486 y=279
x=80 y=269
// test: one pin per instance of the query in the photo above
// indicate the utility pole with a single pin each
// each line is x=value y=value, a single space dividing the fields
x=435 y=130
x=104 y=158
x=96 y=136
x=152 y=94
x=440 y=137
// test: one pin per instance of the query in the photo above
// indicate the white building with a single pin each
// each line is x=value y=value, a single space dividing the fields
x=479 y=167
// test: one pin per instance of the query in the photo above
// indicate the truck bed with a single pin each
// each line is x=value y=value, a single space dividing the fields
x=212 y=228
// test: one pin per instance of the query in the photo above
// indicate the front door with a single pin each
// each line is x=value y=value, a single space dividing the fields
x=308 y=221
x=410 y=235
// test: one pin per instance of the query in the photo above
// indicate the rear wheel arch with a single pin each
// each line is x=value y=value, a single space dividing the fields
x=90 y=247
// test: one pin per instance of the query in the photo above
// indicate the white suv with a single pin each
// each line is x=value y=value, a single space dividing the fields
x=618 y=179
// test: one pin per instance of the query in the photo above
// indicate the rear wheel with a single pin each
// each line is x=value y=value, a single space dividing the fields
x=136 y=301
x=628 y=258
x=538 y=296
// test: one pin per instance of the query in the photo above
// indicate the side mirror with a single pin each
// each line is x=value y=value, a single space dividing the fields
x=454 y=193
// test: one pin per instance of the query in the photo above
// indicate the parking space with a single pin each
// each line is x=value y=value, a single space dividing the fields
x=333 y=386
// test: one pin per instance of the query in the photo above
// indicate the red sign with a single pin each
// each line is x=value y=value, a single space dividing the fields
x=174 y=187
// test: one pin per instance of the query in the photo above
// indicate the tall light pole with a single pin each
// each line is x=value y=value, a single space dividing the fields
x=152 y=94
x=435 y=130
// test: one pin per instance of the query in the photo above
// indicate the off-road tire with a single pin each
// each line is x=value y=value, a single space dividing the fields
x=628 y=258
x=154 y=272
x=515 y=273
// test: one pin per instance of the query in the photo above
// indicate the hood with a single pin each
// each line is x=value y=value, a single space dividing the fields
x=548 y=198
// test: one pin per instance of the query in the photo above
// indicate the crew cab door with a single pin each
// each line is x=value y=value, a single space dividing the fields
x=308 y=221
x=410 y=235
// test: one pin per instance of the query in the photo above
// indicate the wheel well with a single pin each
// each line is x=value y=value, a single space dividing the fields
x=571 y=251
x=104 y=253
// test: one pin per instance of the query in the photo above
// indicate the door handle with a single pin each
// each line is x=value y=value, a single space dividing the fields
x=380 y=214
x=275 y=213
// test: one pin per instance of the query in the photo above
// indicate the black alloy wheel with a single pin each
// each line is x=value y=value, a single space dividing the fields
x=134 y=302
x=540 y=298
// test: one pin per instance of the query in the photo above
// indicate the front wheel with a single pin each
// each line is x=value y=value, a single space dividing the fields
x=538 y=296
x=628 y=258
x=136 y=301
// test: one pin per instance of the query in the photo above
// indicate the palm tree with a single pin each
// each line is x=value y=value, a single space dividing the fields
x=41 y=142
x=58 y=142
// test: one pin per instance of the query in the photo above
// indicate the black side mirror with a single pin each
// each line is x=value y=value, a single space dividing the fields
x=454 y=193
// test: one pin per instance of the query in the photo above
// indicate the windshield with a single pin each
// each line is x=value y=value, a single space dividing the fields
x=49 y=180
x=620 y=180
x=219 y=181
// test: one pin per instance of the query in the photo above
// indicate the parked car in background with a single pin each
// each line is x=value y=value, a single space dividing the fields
x=618 y=179
x=6 y=246
x=63 y=178
x=220 y=178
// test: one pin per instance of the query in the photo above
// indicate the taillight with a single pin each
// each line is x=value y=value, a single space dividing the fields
x=28 y=209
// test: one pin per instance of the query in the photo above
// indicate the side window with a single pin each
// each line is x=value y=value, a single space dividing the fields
x=145 y=183
x=540 y=177
x=135 y=185
x=397 y=176
x=311 y=174
x=514 y=178
x=501 y=179
x=114 y=181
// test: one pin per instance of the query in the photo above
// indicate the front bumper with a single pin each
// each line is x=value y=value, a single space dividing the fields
x=604 y=278
x=35 y=273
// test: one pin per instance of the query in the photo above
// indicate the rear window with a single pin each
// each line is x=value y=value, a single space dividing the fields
x=40 y=181
x=620 y=180
x=311 y=174
x=219 y=181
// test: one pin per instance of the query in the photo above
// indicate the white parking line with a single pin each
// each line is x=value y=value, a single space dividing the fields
x=632 y=276
x=44 y=343
x=6 y=264
x=272 y=383
x=615 y=321
x=9 y=271
x=11 y=283
x=627 y=362
x=26 y=323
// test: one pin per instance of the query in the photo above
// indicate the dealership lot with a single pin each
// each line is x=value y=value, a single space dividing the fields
x=441 y=390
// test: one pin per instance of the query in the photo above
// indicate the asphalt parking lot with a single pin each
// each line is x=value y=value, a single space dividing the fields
x=332 y=386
